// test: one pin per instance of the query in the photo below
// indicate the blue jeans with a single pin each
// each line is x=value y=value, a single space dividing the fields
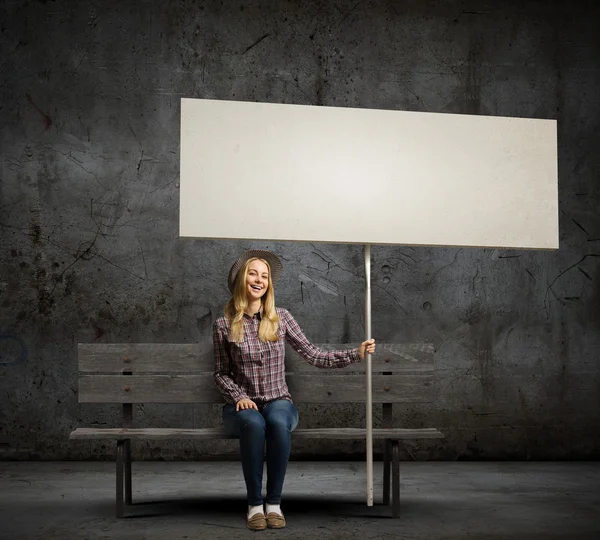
x=273 y=422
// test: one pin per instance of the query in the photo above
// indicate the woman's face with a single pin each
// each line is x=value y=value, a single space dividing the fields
x=257 y=280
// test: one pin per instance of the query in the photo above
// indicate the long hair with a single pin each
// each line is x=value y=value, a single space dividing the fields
x=235 y=308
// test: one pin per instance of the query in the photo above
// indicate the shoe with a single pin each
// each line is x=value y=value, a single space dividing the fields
x=257 y=522
x=275 y=521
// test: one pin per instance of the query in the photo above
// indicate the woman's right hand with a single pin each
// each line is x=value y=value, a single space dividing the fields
x=245 y=403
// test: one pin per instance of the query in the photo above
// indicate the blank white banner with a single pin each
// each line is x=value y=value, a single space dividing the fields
x=330 y=174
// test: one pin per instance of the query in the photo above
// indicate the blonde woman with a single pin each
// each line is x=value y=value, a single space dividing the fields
x=249 y=344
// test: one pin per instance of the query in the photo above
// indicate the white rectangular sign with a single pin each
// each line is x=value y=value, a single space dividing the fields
x=330 y=174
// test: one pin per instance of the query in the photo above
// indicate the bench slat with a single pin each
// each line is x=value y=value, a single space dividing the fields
x=196 y=358
x=145 y=357
x=148 y=433
x=361 y=433
x=214 y=433
x=389 y=357
x=416 y=388
x=330 y=388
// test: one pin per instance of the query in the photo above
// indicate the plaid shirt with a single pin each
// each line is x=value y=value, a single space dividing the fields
x=255 y=369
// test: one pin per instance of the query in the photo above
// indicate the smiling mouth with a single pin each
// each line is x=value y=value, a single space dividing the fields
x=258 y=289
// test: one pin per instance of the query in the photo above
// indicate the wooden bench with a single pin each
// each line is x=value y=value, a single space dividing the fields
x=183 y=373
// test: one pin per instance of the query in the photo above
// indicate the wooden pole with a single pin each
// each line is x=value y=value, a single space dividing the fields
x=369 y=403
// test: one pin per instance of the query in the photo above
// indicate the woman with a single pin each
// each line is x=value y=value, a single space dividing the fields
x=250 y=374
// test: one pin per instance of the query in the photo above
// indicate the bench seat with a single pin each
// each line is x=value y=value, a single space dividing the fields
x=212 y=433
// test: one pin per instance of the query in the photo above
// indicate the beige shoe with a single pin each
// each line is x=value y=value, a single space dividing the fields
x=275 y=521
x=257 y=522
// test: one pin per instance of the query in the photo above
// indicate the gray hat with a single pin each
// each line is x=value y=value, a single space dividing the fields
x=273 y=260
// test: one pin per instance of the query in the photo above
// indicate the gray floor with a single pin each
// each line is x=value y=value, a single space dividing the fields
x=186 y=500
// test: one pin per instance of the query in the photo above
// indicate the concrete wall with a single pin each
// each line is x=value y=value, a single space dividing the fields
x=89 y=120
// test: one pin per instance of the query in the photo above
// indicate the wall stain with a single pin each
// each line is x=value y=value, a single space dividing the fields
x=46 y=117
x=13 y=350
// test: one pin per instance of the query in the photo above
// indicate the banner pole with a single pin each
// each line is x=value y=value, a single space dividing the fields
x=369 y=402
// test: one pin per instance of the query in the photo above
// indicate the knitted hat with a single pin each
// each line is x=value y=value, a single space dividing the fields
x=273 y=260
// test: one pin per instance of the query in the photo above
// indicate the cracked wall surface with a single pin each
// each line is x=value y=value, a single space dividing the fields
x=89 y=131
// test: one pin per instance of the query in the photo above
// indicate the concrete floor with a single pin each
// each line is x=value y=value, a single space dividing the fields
x=188 y=500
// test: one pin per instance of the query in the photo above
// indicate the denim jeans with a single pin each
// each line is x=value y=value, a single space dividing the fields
x=273 y=423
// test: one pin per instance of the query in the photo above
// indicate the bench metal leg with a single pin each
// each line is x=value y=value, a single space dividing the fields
x=120 y=452
x=128 y=499
x=395 y=479
x=386 y=470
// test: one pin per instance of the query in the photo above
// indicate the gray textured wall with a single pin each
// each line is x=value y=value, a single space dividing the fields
x=89 y=120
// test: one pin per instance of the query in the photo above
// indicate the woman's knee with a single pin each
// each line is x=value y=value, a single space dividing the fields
x=282 y=415
x=279 y=424
x=250 y=419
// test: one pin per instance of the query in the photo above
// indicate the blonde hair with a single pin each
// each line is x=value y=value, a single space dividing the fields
x=237 y=305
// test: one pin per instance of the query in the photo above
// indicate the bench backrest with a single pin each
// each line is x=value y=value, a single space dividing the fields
x=183 y=373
